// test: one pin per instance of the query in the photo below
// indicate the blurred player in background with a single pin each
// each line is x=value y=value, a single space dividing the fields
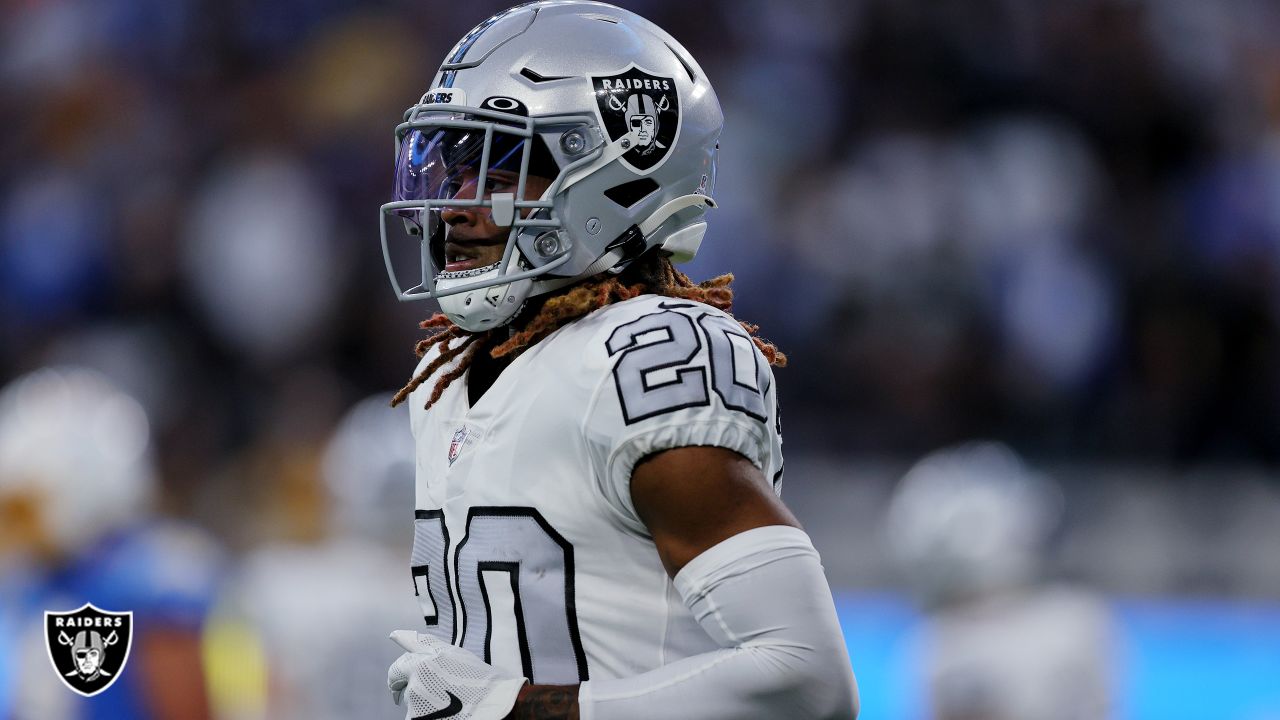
x=77 y=483
x=968 y=528
x=598 y=529
x=317 y=611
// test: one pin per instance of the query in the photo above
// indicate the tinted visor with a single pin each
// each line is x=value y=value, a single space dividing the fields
x=445 y=164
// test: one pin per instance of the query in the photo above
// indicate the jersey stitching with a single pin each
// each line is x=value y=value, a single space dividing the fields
x=628 y=442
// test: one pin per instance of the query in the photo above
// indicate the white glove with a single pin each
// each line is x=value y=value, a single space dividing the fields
x=444 y=681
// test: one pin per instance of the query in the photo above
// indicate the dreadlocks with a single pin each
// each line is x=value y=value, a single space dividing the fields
x=650 y=273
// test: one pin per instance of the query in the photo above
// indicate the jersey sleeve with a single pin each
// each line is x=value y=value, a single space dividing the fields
x=679 y=374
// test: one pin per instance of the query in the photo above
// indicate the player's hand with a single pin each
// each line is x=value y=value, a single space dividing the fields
x=444 y=681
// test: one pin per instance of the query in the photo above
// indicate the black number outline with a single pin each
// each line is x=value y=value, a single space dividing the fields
x=725 y=328
x=512 y=569
x=570 y=604
x=424 y=571
x=682 y=376
x=417 y=571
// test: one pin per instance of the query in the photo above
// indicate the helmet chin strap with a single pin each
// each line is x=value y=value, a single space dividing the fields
x=487 y=307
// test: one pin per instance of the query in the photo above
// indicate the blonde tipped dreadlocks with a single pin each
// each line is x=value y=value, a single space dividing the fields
x=650 y=273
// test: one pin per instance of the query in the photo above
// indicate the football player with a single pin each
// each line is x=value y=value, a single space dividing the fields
x=598 y=530
x=968 y=528
x=78 y=481
x=316 y=605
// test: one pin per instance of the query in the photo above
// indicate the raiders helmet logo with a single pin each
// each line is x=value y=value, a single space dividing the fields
x=88 y=647
x=645 y=105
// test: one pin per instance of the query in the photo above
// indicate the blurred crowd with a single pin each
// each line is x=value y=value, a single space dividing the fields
x=1055 y=224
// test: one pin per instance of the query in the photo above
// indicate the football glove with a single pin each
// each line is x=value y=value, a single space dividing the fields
x=445 y=681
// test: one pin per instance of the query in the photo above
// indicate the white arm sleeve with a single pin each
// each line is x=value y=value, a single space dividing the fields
x=763 y=598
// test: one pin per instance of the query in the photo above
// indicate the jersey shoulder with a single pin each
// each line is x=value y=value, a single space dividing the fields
x=662 y=354
x=673 y=373
x=610 y=317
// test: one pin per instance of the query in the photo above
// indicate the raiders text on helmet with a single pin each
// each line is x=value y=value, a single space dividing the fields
x=599 y=101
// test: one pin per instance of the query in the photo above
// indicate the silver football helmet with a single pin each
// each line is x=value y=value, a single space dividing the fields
x=971 y=520
x=82 y=446
x=614 y=117
x=368 y=469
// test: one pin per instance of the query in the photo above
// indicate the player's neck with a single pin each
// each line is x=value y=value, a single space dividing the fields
x=484 y=370
x=526 y=315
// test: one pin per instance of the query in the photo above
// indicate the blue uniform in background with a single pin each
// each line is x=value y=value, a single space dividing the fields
x=166 y=572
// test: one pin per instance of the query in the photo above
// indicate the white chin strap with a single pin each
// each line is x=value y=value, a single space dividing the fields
x=483 y=308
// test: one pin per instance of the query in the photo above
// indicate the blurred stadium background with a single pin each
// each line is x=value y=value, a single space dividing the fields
x=1054 y=225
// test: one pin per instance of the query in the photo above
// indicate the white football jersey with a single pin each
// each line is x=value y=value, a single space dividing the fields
x=527 y=549
x=321 y=613
x=1045 y=654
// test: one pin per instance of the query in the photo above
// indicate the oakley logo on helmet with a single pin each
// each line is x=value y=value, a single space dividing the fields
x=88 y=647
x=505 y=104
x=646 y=105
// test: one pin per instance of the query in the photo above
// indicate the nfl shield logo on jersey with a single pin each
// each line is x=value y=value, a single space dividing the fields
x=455 y=445
x=88 y=647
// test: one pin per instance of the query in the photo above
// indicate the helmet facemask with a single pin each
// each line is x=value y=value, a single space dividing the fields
x=462 y=159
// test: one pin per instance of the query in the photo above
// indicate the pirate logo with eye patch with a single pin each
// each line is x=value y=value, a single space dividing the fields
x=645 y=108
x=88 y=647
